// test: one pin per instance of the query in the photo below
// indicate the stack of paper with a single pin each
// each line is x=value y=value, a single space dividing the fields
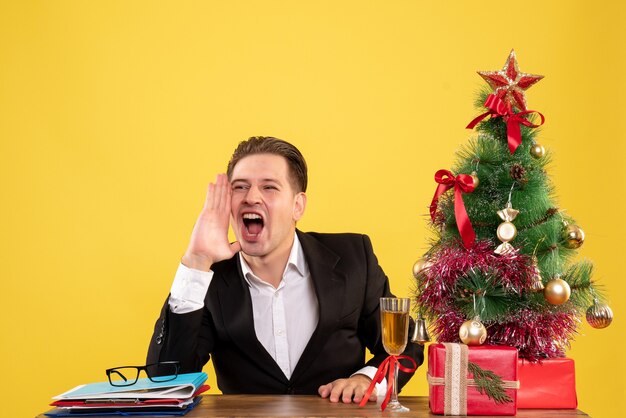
x=174 y=397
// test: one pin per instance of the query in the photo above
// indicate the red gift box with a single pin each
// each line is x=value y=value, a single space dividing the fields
x=452 y=390
x=548 y=384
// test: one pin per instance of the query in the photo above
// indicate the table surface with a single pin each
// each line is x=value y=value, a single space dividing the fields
x=314 y=406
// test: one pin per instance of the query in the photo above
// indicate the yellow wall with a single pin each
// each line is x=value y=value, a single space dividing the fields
x=114 y=115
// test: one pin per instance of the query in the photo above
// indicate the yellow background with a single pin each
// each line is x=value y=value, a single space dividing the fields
x=114 y=115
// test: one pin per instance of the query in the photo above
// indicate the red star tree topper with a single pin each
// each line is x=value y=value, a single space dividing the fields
x=510 y=83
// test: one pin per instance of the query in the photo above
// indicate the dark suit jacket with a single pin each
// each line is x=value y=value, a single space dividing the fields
x=348 y=282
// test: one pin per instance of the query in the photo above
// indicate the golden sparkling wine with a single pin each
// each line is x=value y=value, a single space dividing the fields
x=394 y=318
x=395 y=331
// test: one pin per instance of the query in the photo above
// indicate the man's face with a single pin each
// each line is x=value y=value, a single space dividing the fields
x=264 y=206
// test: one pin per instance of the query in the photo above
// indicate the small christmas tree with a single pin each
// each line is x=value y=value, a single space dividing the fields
x=501 y=270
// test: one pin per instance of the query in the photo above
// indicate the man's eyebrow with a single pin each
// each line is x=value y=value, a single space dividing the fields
x=269 y=180
x=266 y=180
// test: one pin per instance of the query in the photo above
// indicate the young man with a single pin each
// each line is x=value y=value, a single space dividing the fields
x=278 y=310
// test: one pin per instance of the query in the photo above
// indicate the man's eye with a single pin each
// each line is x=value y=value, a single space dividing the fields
x=270 y=187
x=239 y=187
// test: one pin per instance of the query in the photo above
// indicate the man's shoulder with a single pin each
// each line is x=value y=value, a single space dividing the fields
x=334 y=236
x=337 y=242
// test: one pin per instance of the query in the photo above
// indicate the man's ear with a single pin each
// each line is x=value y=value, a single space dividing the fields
x=299 y=206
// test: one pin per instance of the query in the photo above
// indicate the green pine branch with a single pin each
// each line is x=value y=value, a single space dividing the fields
x=584 y=290
x=479 y=293
x=489 y=383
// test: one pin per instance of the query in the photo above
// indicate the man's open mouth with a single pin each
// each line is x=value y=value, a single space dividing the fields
x=253 y=223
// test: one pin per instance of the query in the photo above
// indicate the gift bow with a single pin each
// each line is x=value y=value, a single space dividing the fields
x=388 y=365
x=463 y=183
x=497 y=108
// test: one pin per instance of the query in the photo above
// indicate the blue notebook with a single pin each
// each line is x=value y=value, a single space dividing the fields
x=184 y=386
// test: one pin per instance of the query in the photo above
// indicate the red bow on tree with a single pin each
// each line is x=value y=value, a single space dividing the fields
x=463 y=183
x=497 y=108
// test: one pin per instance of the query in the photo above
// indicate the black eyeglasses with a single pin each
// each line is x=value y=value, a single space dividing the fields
x=157 y=372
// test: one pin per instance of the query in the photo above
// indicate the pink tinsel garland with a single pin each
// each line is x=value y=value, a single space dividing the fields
x=536 y=333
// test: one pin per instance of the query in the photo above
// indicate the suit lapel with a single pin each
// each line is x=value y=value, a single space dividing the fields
x=236 y=306
x=329 y=286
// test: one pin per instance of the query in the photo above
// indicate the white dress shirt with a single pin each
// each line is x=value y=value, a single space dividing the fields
x=284 y=317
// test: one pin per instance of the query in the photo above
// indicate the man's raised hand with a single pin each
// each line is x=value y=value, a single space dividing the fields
x=209 y=239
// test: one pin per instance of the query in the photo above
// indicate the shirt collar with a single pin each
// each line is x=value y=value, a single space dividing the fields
x=295 y=261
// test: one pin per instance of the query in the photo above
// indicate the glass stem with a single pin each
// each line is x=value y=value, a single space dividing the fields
x=394 y=391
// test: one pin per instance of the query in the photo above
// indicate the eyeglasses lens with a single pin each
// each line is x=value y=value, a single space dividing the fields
x=162 y=372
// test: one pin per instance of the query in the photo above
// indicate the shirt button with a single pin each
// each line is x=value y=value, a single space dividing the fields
x=280 y=332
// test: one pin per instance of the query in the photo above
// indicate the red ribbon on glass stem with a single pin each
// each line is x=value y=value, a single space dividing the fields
x=463 y=183
x=497 y=108
x=388 y=366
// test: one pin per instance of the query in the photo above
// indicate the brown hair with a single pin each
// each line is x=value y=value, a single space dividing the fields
x=275 y=146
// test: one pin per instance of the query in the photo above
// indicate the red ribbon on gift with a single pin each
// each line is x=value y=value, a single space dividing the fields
x=463 y=183
x=497 y=108
x=388 y=366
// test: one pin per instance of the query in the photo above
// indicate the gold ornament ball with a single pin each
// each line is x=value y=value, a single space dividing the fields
x=573 y=236
x=506 y=231
x=537 y=150
x=473 y=332
x=557 y=291
x=421 y=265
x=474 y=176
x=599 y=315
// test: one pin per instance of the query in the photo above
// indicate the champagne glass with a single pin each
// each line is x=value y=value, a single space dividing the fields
x=394 y=317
